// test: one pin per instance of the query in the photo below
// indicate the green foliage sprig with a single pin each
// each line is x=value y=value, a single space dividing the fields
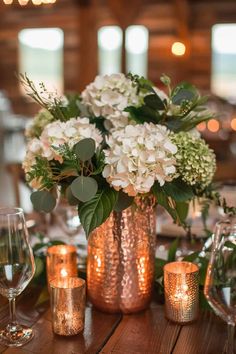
x=182 y=111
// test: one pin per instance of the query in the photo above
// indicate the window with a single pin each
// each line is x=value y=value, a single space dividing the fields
x=41 y=56
x=136 y=50
x=110 y=49
x=223 y=79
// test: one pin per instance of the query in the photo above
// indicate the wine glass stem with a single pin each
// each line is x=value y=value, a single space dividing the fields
x=230 y=341
x=12 y=309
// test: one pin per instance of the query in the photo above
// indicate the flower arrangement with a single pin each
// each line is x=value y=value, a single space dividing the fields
x=121 y=138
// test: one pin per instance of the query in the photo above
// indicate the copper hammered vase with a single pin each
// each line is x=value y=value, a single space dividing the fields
x=121 y=255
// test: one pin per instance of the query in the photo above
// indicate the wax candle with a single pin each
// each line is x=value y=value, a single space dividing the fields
x=181 y=291
x=67 y=305
x=61 y=262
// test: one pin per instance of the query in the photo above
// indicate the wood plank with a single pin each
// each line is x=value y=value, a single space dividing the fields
x=98 y=328
x=207 y=335
x=143 y=333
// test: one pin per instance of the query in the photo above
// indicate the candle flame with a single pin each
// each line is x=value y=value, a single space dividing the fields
x=64 y=273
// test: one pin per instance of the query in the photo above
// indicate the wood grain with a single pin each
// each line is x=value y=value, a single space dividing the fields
x=146 y=332
x=98 y=328
x=206 y=336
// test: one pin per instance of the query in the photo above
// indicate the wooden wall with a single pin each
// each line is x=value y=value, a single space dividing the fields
x=167 y=21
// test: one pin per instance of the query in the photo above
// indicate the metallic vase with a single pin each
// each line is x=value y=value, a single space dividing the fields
x=121 y=254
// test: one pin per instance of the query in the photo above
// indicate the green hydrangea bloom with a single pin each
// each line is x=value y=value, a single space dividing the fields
x=196 y=162
x=42 y=118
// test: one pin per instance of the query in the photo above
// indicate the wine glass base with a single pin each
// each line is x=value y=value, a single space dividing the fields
x=15 y=336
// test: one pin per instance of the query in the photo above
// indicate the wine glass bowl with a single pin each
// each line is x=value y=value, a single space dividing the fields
x=17 y=268
x=220 y=282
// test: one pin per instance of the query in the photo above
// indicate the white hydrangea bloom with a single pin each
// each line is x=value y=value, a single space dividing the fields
x=139 y=155
x=56 y=134
x=109 y=95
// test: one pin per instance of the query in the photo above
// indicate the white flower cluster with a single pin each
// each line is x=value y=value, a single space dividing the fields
x=138 y=156
x=56 y=134
x=109 y=95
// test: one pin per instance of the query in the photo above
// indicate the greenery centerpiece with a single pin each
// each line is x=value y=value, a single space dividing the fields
x=120 y=138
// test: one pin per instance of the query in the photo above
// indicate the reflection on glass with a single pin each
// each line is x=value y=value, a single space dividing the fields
x=17 y=268
x=220 y=283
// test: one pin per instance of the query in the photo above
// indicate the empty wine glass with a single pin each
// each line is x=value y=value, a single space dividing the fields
x=220 y=283
x=17 y=268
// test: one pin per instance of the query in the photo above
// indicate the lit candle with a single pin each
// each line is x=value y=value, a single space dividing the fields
x=61 y=262
x=181 y=291
x=67 y=305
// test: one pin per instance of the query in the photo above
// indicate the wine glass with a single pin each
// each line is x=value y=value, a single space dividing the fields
x=220 y=283
x=17 y=268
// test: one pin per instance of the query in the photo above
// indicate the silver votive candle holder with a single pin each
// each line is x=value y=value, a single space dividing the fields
x=68 y=296
x=61 y=262
x=181 y=284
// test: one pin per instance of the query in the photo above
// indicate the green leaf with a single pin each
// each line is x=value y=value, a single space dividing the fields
x=70 y=197
x=43 y=201
x=123 y=201
x=182 y=211
x=85 y=149
x=43 y=297
x=178 y=190
x=230 y=244
x=154 y=102
x=172 y=250
x=39 y=266
x=191 y=257
x=94 y=212
x=159 y=265
x=143 y=114
x=84 y=188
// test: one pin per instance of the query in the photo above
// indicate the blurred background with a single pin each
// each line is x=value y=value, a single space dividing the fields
x=66 y=43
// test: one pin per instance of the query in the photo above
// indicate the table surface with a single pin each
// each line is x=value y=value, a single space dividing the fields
x=145 y=332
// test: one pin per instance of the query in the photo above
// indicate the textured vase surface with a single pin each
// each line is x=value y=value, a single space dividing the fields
x=121 y=254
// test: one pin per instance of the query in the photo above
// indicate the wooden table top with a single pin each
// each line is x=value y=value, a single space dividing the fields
x=145 y=332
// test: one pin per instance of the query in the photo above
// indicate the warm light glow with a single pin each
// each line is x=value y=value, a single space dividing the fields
x=201 y=126
x=64 y=273
x=34 y=2
x=233 y=123
x=213 y=125
x=178 y=48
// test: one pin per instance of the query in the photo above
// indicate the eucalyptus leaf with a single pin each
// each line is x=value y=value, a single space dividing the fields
x=84 y=188
x=123 y=201
x=43 y=201
x=85 y=149
x=72 y=200
x=94 y=212
x=181 y=95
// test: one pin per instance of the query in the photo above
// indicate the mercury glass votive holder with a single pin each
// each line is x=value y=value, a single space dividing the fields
x=181 y=284
x=61 y=262
x=68 y=305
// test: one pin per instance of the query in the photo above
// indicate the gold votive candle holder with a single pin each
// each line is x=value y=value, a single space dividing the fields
x=61 y=262
x=68 y=305
x=181 y=284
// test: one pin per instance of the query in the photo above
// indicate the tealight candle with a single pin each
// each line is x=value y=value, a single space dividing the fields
x=67 y=305
x=181 y=291
x=61 y=262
